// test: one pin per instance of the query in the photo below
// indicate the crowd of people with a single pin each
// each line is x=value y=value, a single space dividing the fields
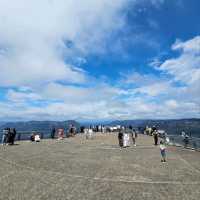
x=35 y=137
x=8 y=137
x=60 y=132
x=127 y=136
x=152 y=131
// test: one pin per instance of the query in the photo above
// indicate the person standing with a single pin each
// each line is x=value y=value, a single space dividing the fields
x=60 y=134
x=155 y=136
x=9 y=137
x=90 y=133
x=134 y=136
x=120 y=138
x=126 y=138
x=53 y=131
x=12 y=136
x=4 y=136
x=163 y=151
x=32 y=137
x=186 y=141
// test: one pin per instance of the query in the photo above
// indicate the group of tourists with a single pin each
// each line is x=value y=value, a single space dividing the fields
x=126 y=135
x=98 y=128
x=60 y=132
x=152 y=131
x=35 y=137
x=8 y=137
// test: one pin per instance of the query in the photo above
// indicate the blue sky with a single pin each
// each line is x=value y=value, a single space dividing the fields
x=99 y=60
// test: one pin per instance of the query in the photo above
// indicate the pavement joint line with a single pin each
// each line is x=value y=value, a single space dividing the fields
x=131 y=147
x=188 y=164
x=129 y=181
x=98 y=178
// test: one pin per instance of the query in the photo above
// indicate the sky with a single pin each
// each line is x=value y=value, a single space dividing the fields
x=99 y=60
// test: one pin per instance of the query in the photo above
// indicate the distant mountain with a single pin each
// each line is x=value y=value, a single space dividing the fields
x=2 y=123
x=171 y=126
x=40 y=126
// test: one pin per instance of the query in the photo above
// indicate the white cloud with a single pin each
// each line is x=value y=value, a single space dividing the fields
x=185 y=68
x=37 y=37
x=147 y=84
x=22 y=96
x=154 y=89
x=80 y=94
x=190 y=46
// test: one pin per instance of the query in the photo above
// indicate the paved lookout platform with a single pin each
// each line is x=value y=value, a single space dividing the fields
x=76 y=168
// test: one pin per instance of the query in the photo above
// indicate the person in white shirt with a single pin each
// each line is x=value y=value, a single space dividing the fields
x=126 y=138
x=37 y=138
x=163 y=151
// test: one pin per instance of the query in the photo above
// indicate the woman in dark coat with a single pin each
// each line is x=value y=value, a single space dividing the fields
x=13 y=134
x=120 y=138
x=9 y=136
x=53 y=131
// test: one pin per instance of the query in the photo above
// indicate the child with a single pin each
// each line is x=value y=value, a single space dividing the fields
x=163 y=151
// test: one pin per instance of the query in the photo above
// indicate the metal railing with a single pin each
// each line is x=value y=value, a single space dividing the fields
x=177 y=140
x=191 y=142
x=25 y=135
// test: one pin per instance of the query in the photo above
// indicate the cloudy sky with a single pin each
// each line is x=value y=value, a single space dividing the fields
x=99 y=59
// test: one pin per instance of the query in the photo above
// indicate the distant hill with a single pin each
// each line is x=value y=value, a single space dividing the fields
x=171 y=126
x=40 y=126
x=2 y=123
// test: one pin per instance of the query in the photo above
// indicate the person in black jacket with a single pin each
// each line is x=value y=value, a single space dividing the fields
x=120 y=138
x=53 y=131
x=155 y=135
x=12 y=136
x=9 y=136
